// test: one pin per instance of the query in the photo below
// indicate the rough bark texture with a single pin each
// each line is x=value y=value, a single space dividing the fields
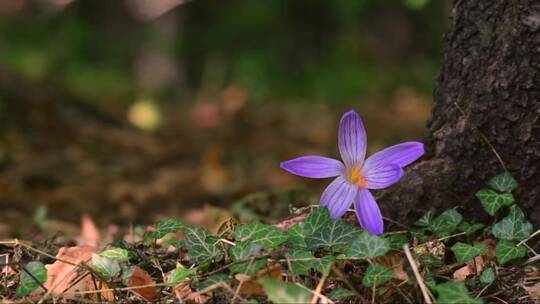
x=488 y=90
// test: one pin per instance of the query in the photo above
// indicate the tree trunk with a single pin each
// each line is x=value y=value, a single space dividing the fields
x=487 y=102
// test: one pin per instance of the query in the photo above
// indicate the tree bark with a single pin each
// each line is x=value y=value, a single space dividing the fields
x=486 y=102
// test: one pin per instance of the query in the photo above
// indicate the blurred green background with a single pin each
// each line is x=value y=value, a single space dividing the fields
x=129 y=110
x=278 y=50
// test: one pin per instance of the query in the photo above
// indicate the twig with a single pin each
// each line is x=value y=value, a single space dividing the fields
x=419 y=279
x=537 y=232
x=319 y=287
x=344 y=280
x=323 y=297
x=16 y=242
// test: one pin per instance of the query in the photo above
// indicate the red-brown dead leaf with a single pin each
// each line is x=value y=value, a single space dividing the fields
x=467 y=270
x=89 y=233
x=251 y=287
x=60 y=274
x=140 y=277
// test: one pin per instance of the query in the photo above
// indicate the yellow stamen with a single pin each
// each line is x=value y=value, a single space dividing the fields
x=356 y=177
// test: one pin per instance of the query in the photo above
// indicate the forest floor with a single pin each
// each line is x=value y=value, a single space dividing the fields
x=199 y=211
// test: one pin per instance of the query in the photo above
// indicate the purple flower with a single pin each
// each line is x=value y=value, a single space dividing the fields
x=356 y=175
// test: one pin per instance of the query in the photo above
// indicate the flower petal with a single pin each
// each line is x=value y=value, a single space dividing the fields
x=338 y=196
x=382 y=176
x=401 y=154
x=368 y=213
x=352 y=139
x=313 y=166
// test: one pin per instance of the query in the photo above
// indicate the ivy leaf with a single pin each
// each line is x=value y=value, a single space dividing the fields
x=266 y=235
x=513 y=227
x=426 y=219
x=503 y=182
x=454 y=293
x=178 y=275
x=166 y=227
x=368 y=246
x=242 y=251
x=28 y=283
x=311 y=262
x=334 y=235
x=487 y=276
x=284 y=292
x=468 y=228
x=465 y=252
x=506 y=251
x=341 y=294
x=213 y=279
x=296 y=237
x=377 y=274
x=116 y=254
x=493 y=201
x=104 y=267
x=446 y=223
x=202 y=247
x=396 y=241
x=318 y=219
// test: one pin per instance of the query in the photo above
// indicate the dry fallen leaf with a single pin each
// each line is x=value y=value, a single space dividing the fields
x=89 y=233
x=467 y=270
x=184 y=293
x=60 y=274
x=251 y=287
x=394 y=261
x=140 y=277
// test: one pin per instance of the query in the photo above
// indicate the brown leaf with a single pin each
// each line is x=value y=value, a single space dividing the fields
x=140 y=277
x=89 y=232
x=394 y=260
x=467 y=270
x=184 y=293
x=250 y=285
x=60 y=274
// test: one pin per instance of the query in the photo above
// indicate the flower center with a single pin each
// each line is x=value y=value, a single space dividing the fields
x=355 y=176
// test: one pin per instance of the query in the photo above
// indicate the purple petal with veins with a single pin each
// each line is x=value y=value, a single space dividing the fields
x=352 y=139
x=338 y=196
x=382 y=176
x=368 y=213
x=313 y=166
x=401 y=154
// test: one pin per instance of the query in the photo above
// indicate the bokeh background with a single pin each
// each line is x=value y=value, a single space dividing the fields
x=131 y=110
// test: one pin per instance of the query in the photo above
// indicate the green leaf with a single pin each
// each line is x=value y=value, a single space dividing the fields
x=377 y=274
x=202 y=247
x=513 y=227
x=368 y=246
x=311 y=262
x=296 y=237
x=465 y=252
x=166 y=227
x=116 y=254
x=454 y=293
x=493 y=201
x=468 y=228
x=266 y=235
x=341 y=294
x=487 y=276
x=446 y=223
x=334 y=235
x=244 y=250
x=213 y=279
x=396 y=241
x=506 y=251
x=30 y=278
x=178 y=275
x=503 y=182
x=104 y=267
x=318 y=219
x=284 y=292
x=427 y=218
